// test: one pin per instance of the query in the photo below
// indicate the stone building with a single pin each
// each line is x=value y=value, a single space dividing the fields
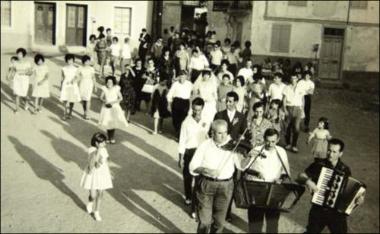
x=49 y=25
x=342 y=37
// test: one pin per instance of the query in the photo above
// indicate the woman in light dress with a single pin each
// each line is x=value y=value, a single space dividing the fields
x=241 y=90
x=97 y=176
x=69 y=86
x=86 y=84
x=90 y=50
x=41 y=82
x=22 y=72
x=111 y=114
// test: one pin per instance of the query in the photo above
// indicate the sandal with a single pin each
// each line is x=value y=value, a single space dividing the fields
x=112 y=141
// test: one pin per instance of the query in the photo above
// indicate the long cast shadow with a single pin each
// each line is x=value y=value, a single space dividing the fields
x=134 y=172
x=45 y=170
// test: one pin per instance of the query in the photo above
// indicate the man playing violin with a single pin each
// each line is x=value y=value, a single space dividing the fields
x=215 y=166
x=270 y=165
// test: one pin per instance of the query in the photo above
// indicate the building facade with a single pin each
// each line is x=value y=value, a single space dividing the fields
x=49 y=25
x=341 y=37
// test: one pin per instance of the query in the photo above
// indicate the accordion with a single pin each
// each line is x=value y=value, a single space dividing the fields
x=337 y=191
x=267 y=195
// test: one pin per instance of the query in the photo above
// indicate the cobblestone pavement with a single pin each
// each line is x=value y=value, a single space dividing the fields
x=42 y=159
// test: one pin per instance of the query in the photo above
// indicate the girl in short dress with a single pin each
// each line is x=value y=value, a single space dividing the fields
x=97 y=176
x=159 y=106
x=90 y=49
x=111 y=114
x=23 y=71
x=69 y=86
x=11 y=70
x=86 y=76
x=41 y=82
x=319 y=138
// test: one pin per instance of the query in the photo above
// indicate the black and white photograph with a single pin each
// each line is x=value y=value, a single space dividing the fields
x=219 y=116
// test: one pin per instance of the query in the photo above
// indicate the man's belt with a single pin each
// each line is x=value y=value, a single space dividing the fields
x=215 y=179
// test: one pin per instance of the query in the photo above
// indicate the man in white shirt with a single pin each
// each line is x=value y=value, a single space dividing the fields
x=198 y=62
x=216 y=57
x=115 y=53
x=292 y=106
x=179 y=100
x=308 y=86
x=270 y=165
x=194 y=130
x=214 y=189
x=276 y=88
x=247 y=72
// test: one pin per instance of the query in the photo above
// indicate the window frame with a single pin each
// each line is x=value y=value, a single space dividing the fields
x=10 y=26
x=297 y=3
x=362 y=5
x=275 y=47
x=130 y=21
x=220 y=9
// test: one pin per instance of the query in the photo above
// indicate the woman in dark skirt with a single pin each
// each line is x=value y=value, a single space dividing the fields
x=138 y=82
x=159 y=108
x=128 y=92
x=166 y=67
x=151 y=78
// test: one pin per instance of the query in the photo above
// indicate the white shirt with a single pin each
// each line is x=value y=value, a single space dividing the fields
x=231 y=114
x=192 y=133
x=180 y=90
x=198 y=63
x=210 y=156
x=276 y=91
x=270 y=167
x=126 y=51
x=247 y=73
x=115 y=50
x=216 y=57
x=307 y=85
x=294 y=96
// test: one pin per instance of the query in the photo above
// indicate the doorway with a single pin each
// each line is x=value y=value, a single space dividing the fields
x=44 y=26
x=331 y=53
x=76 y=25
x=187 y=17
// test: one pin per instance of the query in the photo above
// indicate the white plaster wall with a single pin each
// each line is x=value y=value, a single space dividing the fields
x=369 y=15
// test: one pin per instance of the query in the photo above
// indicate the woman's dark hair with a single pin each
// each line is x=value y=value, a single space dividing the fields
x=241 y=79
x=325 y=122
x=278 y=74
x=204 y=72
x=225 y=75
x=227 y=40
x=194 y=51
x=138 y=60
x=101 y=36
x=101 y=29
x=22 y=50
x=68 y=57
x=218 y=43
x=236 y=44
x=224 y=61
x=92 y=36
x=247 y=44
x=166 y=31
x=306 y=73
x=271 y=132
x=198 y=102
x=111 y=78
x=258 y=105
x=234 y=95
x=115 y=39
x=98 y=138
x=14 y=58
x=38 y=57
x=108 y=30
x=85 y=58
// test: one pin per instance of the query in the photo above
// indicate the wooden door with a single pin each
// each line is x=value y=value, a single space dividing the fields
x=330 y=58
x=44 y=23
x=76 y=25
x=187 y=17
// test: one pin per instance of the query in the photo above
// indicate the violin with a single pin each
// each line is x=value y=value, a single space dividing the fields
x=242 y=146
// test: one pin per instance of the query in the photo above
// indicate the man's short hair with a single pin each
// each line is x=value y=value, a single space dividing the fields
x=217 y=123
x=271 y=132
x=234 y=95
x=198 y=102
x=336 y=141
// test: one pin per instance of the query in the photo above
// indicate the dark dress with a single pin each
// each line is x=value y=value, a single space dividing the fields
x=166 y=69
x=128 y=93
x=160 y=103
x=138 y=83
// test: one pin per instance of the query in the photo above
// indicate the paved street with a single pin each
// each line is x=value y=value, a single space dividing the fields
x=42 y=159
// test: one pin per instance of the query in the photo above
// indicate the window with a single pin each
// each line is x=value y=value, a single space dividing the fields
x=297 y=3
x=123 y=20
x=6 y=13
x=359 y=4
x=280 y=38
x=221 y=5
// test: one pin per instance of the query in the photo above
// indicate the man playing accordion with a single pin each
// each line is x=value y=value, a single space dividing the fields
x=270 y=165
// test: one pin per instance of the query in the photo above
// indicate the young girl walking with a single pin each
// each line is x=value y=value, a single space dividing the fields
x=111 y=114
x=86 y=84
x=41 y=82
x=97 y=176
x=319 y=138
x=69 y=86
